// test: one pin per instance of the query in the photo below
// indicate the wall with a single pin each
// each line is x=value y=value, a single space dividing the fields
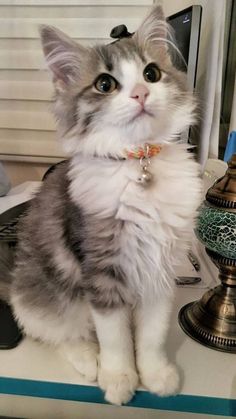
x=20 y=172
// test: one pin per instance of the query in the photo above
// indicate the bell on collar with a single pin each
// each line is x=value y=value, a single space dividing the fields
x=146 y=177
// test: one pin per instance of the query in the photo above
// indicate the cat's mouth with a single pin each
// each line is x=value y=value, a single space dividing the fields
x=141 y=113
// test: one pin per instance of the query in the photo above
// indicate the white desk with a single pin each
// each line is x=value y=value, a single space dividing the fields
x=208 y=379
x=36 y=382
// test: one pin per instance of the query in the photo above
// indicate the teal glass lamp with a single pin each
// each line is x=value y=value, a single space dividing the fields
x=212 y=320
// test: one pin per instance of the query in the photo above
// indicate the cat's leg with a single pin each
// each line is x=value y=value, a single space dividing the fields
x=71 y=331
x=117 y=375
x=156 y=373
x=83 y=355
x=83 y=351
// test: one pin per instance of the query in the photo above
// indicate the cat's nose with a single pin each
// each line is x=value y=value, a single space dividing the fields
x=140 y=93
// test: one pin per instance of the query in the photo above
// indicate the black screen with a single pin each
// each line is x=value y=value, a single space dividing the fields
x=181 y=23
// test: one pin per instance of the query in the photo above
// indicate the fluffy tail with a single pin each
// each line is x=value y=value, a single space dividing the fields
x=6 y=266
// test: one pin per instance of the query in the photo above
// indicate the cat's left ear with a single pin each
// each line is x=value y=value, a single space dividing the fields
x=154 y=30
x=63 y=55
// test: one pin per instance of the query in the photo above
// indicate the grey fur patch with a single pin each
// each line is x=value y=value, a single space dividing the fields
x=86 y=121
x=106 y=293
x=96 y=247
x=53 y=223
x=37 y=278
x=106 y=57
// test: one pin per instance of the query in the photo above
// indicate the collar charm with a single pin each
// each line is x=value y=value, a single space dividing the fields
x=145 y=177
x=144 y=154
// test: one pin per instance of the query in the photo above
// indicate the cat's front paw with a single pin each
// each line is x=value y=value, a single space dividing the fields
x=163 y=381
x=119 y=387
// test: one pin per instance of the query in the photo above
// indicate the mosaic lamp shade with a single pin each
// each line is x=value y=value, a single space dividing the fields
x=212 y=320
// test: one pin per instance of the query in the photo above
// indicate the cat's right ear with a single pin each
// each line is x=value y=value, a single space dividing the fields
x=64 y=56
x=154 y=30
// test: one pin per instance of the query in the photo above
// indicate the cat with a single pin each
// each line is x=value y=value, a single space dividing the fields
x=94 y=268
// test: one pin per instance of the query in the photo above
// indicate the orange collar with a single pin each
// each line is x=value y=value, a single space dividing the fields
x=144 y=152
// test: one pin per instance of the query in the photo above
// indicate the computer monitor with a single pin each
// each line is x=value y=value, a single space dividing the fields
x=187 y=26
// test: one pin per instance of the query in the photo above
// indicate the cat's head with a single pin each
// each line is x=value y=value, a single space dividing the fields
x=114 y=96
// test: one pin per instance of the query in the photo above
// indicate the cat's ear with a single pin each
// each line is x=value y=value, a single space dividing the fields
x=64 y=56
x=154 y=30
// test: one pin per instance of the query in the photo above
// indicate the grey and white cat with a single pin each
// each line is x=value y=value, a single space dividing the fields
x=94 y=267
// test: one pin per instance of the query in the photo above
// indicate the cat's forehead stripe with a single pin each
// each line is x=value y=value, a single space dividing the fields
x=111 y=54
x=106 y=57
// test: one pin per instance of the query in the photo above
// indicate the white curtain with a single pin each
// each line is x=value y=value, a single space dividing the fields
x=210 y=79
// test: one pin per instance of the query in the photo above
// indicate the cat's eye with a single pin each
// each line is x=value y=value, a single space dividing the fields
x=151 y=73
x=105 y=83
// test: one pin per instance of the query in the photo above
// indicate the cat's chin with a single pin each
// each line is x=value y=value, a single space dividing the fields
x=138 y=129
x=140 y=116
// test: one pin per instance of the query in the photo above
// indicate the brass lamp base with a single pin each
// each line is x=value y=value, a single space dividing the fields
x=212 y=320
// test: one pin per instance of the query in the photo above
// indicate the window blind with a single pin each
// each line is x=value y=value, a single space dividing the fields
x=27 y=128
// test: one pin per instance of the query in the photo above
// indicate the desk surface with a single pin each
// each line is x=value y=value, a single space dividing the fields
x=208 y=377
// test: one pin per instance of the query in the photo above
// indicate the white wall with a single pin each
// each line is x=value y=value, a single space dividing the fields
x=19 y=172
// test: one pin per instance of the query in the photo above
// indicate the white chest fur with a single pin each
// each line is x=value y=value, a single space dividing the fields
x=156 y=218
